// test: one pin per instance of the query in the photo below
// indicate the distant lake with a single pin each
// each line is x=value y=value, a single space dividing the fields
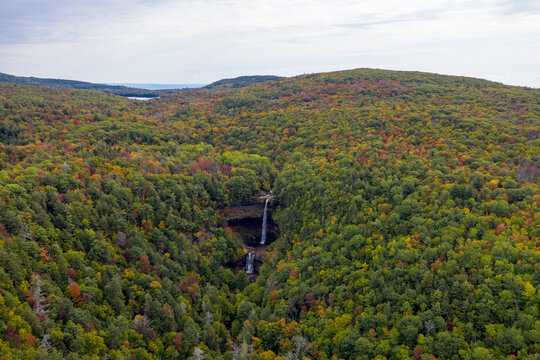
x=141 y=98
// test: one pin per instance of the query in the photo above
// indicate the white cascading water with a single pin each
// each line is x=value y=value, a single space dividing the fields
x=249 y=262
x=263 y=232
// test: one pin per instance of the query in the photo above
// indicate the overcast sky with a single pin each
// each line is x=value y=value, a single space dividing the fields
x=200 y=41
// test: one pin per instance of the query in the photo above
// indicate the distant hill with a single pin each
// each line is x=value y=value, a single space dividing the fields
x=241 y=81
x=140 y=90
x=74 y=84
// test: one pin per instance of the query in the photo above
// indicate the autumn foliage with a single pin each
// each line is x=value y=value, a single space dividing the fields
x=407 y=205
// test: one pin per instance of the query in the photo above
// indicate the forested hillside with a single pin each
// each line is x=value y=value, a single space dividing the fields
x=73 y=84
x=241 y=81
x=408 y=213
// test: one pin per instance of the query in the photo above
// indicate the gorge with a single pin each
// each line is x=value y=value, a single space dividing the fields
x=252 y=222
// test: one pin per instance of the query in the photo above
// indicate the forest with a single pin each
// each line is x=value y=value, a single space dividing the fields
x=407 y=205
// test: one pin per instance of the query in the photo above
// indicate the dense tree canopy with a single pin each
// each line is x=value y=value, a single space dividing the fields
x=408 y=215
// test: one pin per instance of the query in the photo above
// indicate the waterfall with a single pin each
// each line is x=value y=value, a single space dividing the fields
x=249 y=262
x=263 y=232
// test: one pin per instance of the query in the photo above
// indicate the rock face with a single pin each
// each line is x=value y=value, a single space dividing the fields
x=245 y=209
x=246 y=219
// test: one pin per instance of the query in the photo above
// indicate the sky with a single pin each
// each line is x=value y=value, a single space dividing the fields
x=200 y=41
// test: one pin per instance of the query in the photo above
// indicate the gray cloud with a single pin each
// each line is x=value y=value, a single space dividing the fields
x=520 y=6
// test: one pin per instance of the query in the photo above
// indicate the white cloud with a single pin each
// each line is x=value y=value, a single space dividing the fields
x=182 y=41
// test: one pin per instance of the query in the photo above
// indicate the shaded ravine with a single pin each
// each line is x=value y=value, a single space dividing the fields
x=253 y=222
